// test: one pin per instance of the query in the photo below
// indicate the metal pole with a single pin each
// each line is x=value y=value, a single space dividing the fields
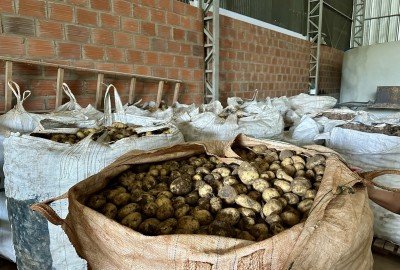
x=321 y=8
x=215 y=79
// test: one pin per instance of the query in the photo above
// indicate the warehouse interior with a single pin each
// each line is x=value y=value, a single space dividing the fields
x=215 y=134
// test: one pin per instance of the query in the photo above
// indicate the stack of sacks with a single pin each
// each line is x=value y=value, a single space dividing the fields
x=21 y=121
x=48 y=162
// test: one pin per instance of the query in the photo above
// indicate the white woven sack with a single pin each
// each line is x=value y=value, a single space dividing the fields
x=304 y=104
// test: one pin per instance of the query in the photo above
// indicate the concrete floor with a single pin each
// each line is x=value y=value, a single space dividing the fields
x=386 y=262
x=381 y=262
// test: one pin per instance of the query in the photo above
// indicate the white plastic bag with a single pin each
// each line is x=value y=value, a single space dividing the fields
x=304 y=104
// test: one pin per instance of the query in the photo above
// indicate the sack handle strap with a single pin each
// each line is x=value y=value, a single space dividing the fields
x=370 y=176
x=68 y=92
x=45 y=210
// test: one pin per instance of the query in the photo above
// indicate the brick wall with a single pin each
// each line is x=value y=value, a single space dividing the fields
x=276 y=64
x=149 y=37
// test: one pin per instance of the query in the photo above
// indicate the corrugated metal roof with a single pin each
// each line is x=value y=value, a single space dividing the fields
x=382 y=21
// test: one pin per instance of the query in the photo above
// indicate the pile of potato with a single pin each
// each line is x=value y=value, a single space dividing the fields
x=387 y=129
x=113 y=133
x=270 y=191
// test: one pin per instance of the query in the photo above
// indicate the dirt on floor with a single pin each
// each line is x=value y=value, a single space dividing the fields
x=338 y=116
x=386 y=129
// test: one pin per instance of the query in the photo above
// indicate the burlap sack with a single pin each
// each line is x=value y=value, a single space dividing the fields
x=337 y=234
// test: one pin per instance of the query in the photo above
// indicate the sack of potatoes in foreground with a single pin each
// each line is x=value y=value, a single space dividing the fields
x=245 y=204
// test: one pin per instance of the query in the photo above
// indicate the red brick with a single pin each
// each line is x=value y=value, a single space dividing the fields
x=179 y=7
x=142 y=70
x=109 y=21
x=6 y=6
x=179 y=61
x=173 y=73
x=35 y=104
x=178 y=34
x=77 y=33
x=40 y=48
x=122 y=39
x=84 y=3
x=158 y=45
x=115 y=54
x=130 y=25
x=166 y=59
x=43 y=87
x=159 y=71
x=165 y=5
x=61 y=12
x=142 y=43
x=151 y=58
x=148 y=29
x=51 y=30
x=122 y=7
x=193 y=12
x=86 y=17
x=173 y=19
x=157 y=16
x=11 y=45
x=186 y=49
x=127 y=68
x=34 y=8
x=105 y=66
x=93 y=52
x=151 y=3
x=100 y=5
x=185 y=22
x=141 y=13
x=83 y=63
x=102 y=37
x=69 y=50
x=163 y=31
x=134 y=57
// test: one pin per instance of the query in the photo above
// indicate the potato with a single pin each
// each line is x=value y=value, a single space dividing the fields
x=146 y=198
x=314 y=161
x=274 y=167
x=182 y=210
x=289 y=170
x=205 y=191
x=286 y=161
x=290 y=218
x=208 y=178
x=245 y=201
x=121 y=199
x=298 y=159
x=284 y=185
x=258 y=230
x=160 y=201
x=310 y=174
x=203 y=217
x=305 y=205
x=96 y=201
x=192 y=198
x=259 y=149
x=136 y=195
x=260 y=184
x=285 y=154
x=319 y=169
x=164 y=212
x=110 y=210
x=197 y=177
x=167 y=226
x=255 y=195
x=281 y=174
x=268 y=175
x=180 y=186
x=300 y=186
x=298 y=166
x=112 y=193
x=149 y=226
x=221 y=228
x=204 y=203
x=273 y=206
x=277 y=228
x=246 y=212
x=229 y=180
x=300 y=173
x=291 y=198
x=273 y=218
x=132 y=220
x=245 y=235
x=223 y=171
x=178 y=201
x=245 y=223
x=188 y=223
x=228 y=194
x=310 y=194
x=247 y=173
x=270 y=193
x=127 y=209
x=150 y=209
x=228 y=215
x=283 y=202
x=240 y=188
x=167 y=194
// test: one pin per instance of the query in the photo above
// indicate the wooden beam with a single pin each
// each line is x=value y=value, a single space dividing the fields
x=176 y=93
x=99 y=90
x=7 y=90
x=132 y=89
x=59 y=89
x=159 y=93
